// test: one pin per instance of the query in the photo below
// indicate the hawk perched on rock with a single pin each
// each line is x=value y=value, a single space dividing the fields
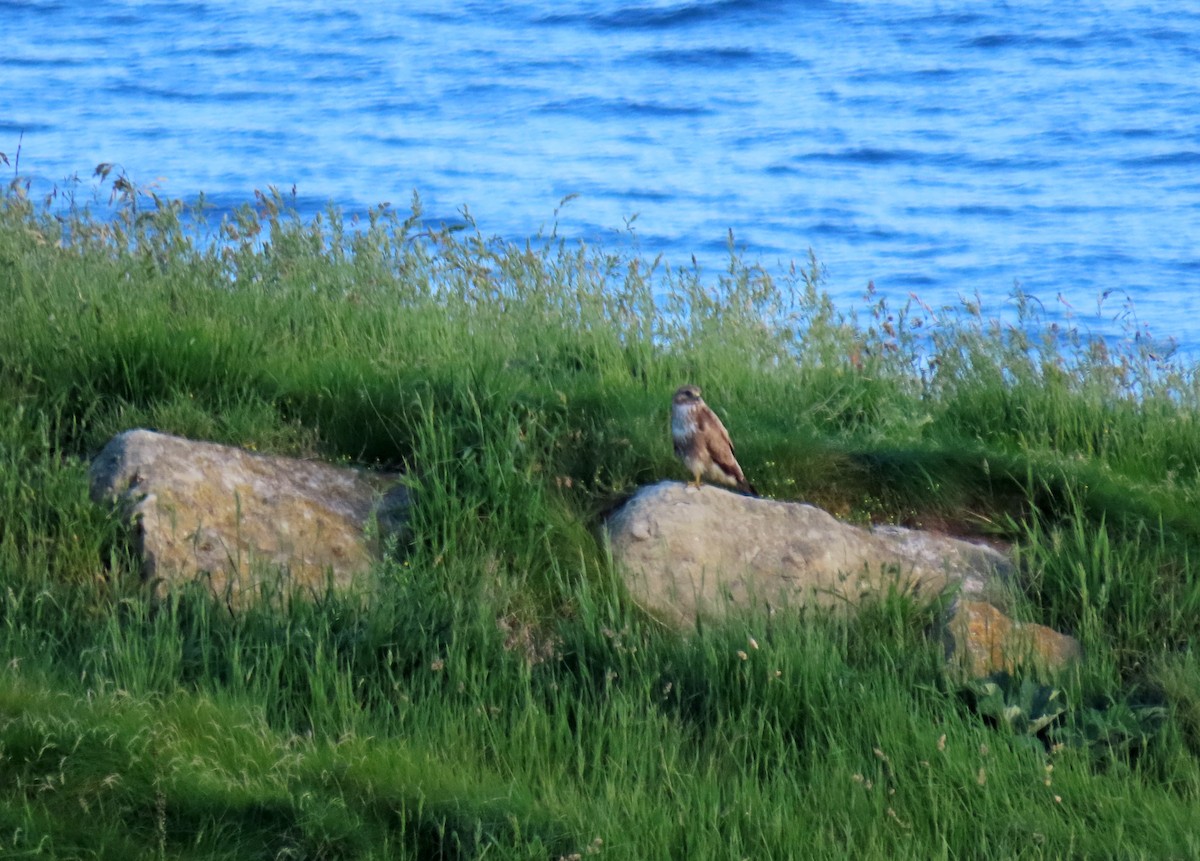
x=702 y=442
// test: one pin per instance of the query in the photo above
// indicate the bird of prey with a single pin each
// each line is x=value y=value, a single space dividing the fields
x=702 y=442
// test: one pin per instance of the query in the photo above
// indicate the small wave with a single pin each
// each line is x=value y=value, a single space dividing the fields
x=119 y=19
x=937 y=73
x=1167 y=159
x=1010 y=40
x=911 y=280
x=865 y=155
x=190 y=11
x=221 y=97
x=656 y=18
x=1137 y=133
x=9 y=127
x=1016 y=161
x=849 y=230
x=619 y=107
x=706 y=57
x=635 y=195
x=1164 y=34
x=996 y=40
x=950 y=19
x=225 y=49
x=984 y=210
x=42 y=62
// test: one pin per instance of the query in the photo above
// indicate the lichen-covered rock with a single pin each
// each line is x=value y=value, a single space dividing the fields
x=688 y=552
x=980 y=640
x=242 y=519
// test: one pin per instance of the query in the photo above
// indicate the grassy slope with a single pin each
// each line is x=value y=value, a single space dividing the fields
x=526 y=388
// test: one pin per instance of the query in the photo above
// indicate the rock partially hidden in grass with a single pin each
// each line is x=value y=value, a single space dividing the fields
x=981 y=640
x=688 y=553
x=248 y=522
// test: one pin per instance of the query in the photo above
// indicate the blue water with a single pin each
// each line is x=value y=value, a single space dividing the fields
x=935 y=148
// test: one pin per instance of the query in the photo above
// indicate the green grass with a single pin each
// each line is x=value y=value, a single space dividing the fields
x=525 y=389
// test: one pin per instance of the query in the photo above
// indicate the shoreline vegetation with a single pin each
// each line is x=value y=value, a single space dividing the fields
x=498 y=695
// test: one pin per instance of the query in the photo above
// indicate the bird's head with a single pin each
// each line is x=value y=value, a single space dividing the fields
x=686 y=395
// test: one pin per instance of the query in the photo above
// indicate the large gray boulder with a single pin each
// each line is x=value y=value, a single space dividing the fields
x=243 y=520
x=689 y=552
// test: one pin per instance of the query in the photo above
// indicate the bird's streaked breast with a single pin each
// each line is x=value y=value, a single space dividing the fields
x=683 y=423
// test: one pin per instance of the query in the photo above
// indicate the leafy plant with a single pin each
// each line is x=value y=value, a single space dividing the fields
x=1023 y=707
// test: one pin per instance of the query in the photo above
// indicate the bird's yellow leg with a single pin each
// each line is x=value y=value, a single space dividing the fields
x=695 y=482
